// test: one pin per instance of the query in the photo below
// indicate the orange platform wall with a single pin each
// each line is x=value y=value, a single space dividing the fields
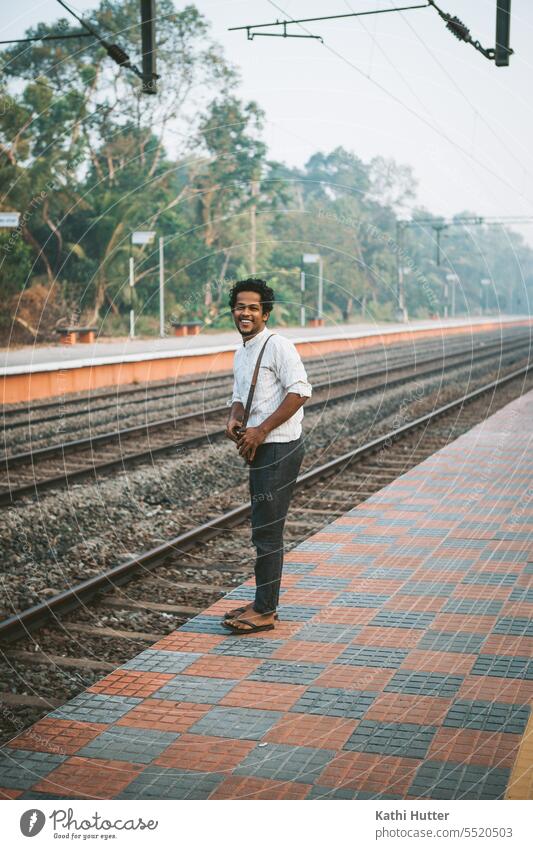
x=60 y=382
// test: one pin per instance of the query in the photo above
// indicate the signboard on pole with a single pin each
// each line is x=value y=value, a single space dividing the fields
x=9 y=219
x=142 y=237
x=308 y=258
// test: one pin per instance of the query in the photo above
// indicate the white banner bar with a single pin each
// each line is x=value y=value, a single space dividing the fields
x=357 y=824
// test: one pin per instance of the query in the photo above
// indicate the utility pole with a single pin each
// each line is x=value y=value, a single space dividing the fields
x=453 y=279
x=253 y=228
x=161 y=287
x=311 y=259
x=401 y=314
x=302 y=298
x=503 y=31
x=132 y=285
x=438 y=230
x=320 y=289
x=485 y=283
x=149 y=76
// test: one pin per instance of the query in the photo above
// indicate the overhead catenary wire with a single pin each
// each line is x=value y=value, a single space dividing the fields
x=114 y=51
x=415 y=94
x=47 y=37
x=413 y=112
x=465 y=97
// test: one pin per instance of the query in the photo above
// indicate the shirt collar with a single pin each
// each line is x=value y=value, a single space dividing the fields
x=251 y=343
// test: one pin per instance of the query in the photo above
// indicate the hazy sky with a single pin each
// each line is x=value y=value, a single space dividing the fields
x=396 y=85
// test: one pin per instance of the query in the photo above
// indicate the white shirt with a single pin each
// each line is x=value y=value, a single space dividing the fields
x=281 y=371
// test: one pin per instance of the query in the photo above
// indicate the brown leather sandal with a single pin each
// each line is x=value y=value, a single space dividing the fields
x=232 y=614
x=253 y=629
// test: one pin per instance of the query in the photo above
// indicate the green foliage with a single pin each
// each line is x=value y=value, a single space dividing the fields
x=15 y=263
x=87 y=159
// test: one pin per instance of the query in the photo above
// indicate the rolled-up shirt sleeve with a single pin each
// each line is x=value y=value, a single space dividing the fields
x=292 y=373
x=236 y=396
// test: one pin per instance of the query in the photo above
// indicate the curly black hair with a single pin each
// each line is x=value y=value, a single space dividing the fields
x=253 y=284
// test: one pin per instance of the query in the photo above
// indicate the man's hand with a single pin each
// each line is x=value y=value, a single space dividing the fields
x=250 y=441
x=232 y=426
x=236 y=418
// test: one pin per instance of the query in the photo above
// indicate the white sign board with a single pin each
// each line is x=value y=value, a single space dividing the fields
x=142 y=237
x=9 y=219
x=311 y=258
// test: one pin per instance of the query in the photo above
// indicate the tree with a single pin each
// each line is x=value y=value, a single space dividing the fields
x=112 y=137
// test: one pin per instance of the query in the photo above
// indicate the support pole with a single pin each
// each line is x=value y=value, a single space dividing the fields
x=400 y=298
x=302 y=298
x=253 y=228
x=161 y=287
x=503 y=29
x=453 y=297
x=320 y=288
x=148 y=18
x=132 y=313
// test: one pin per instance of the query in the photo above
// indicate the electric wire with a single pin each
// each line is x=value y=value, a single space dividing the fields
x=413 y=112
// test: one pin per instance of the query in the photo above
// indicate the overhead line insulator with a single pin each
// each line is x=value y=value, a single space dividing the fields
x=458 y=28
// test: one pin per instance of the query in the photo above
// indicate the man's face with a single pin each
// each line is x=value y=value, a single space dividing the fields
x=248 y=314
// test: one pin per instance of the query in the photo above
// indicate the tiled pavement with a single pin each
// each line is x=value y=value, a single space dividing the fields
x=401 y=667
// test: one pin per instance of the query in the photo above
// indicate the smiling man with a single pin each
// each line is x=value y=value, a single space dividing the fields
x=271 y=442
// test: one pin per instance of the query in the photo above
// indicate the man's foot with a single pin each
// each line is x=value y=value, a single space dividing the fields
x=242 y=611
x=239 y=611
x=250 y=622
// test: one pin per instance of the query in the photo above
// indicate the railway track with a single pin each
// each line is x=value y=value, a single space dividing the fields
x=22 y=415
x=96 y=413
x=58 y=466
x=360 y=477
x=76 y=644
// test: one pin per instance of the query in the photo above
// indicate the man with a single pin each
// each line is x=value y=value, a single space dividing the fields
x=272 y=442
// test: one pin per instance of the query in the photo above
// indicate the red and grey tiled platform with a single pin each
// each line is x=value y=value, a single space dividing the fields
x=401 y=667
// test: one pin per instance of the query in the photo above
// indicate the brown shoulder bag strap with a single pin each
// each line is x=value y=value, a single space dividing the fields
x=251 y=391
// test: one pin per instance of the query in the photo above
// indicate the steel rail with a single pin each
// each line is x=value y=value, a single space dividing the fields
x=10 y=495
x=14 y=460
x=150 y=390
x=34 y=617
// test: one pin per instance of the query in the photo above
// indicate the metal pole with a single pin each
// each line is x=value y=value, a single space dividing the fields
x=446 y=296
x=453 y=298
x=132 y=284
x=253 y=228
x=503 y=27
x=148 y=46
x=320 y=288
x=161 y=287
x=399 y=273
x=302 y=298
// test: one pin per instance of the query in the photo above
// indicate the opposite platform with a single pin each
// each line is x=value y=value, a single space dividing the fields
x=39 y=372
x=401 y=668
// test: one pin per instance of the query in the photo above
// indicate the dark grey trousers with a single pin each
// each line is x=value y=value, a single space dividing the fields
x=273 y=473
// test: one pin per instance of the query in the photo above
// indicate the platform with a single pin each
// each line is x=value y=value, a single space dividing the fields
x=401 y=667
x=44 y=372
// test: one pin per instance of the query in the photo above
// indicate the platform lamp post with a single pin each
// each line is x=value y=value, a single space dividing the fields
x=401 y=310
x=132 y=311
x=453 y=279
x=161 y=287
x=139 y=237
x=302 y=296
x=309 y=259
x=485 y=283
